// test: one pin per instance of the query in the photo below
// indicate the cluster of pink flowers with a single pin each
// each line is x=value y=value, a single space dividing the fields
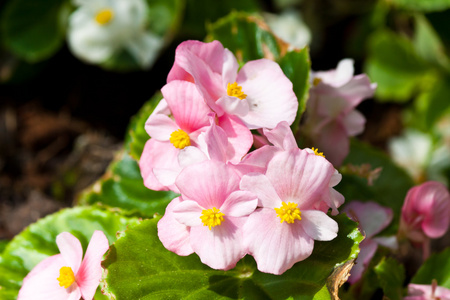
x=272 y=202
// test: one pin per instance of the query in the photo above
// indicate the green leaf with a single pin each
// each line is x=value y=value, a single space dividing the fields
x=34 y=30
x=37 y=242
x=428 y=44
x=123 y=187
x=3 y=244
x=422 y=5
x=391 y=275
x=389 y=189
x=395 y=66
x=249 y=38
x=436 y=267
x=138 y=266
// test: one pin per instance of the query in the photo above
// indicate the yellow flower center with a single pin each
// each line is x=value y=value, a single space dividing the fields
x=104 y=16
x=212 y=217
x=180 y=139
x=66 y=277
x=316 y=152
x=234 y=90
x=316 y=81
x=288 y=212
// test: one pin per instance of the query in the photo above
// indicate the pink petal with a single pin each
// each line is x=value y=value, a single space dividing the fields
x=191 y=155
x=366 y=252
x=42 y=284
x=174 y=235
x=221 y=247
x=187 y=105
x=216 y=141
x=230 y=67
x=334 y=143
x=159 y=155
x=90 y=273
x=260 y=185
x=425 y=292
x=233 y=105
x=239 y=204
x=269 y=94
x=188 y=212
x=371 y=216
x=300 y=177
x=338 y=77
x=70 y=249
x=240 y=138
x=275 y=246
x=160 y=127
x=354 y=123
x=318 y=225
x=208 y=183
x=357 y=89
x=281 y=136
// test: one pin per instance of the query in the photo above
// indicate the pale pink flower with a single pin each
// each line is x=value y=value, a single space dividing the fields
x=176 y=124
x=259 y=94
x=425 y=212
x=372 y=219
x=67 y=275
x=427 y=292
x=331 y=118
x=211 y=212
x=282 y=230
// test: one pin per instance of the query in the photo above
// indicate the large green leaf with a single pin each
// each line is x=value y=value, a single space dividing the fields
x=436 y=267
x=34 y=30
x=391 y=275
x=37 y=242
x=138 y=266
x=395 y=66
x=389 y=189
x=422 y=5
x=249 y=38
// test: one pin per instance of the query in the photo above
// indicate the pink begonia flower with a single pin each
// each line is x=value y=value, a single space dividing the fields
x=212 y=211
x=427 y=292
x=425 y=212
x=283 y=138
x=282 y=230
x=66 y=275
x=331 y=118
x=259 y=94
x=372 y=219
x=169 y=136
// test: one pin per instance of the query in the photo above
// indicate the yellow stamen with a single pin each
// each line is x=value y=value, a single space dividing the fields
x=288 y=212
x=212 y=217
x=104 y=16
x=66 y=277
x=180 y=139
x=235 y=90
x=316 y=152
x=316 y=81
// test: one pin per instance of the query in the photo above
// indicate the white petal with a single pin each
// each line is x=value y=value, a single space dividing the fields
x=318 y=225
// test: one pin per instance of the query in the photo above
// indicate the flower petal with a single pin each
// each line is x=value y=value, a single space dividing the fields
x=318 y=225
x=240 y=138
x=366 y=252
x=239 y=204
x=188 y=212
x=42 y=284
x=145 y=47
x=90 y=272
x=221 y=247
x=172 y=234
x=275 y=246
x=270 y=96
x=186 y=104
x=160 y=127
x=260 y=185
x=233 y=105
x=371 y=216
x=70 y=249
x=281 y=136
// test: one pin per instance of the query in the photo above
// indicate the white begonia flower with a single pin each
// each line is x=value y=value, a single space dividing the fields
x=290 y=27
x=98 y=29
